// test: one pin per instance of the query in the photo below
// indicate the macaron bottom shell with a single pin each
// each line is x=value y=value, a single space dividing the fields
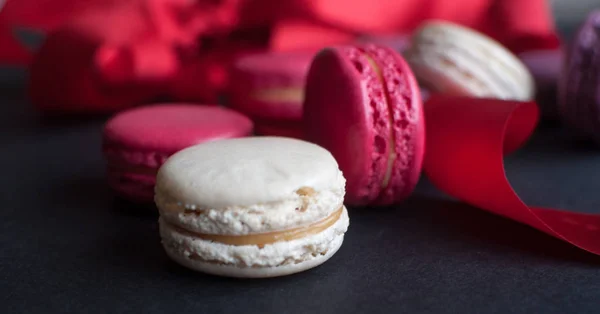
x=249 y=272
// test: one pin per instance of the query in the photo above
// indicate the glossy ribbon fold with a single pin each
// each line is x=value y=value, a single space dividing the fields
x=466 y=141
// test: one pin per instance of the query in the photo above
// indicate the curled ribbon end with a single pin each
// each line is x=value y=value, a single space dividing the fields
x=467 y=139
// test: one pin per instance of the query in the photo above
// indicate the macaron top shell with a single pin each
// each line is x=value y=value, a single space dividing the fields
x=247 y=171
x=168 y=128
x=363 y=104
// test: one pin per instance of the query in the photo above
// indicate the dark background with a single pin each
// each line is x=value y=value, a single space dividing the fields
x=67 y=244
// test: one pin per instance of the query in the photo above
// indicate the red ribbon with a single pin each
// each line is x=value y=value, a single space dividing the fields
x=466 y=141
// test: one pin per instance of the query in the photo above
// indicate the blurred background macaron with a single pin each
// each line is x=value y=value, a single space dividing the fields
x=137 y=142
x=579 y=85
x=452 y=59
x=269 y=88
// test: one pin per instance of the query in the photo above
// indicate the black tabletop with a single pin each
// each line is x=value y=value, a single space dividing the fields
x=67 y=244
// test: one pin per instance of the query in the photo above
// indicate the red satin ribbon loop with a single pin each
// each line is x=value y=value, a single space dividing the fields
x=466 y=141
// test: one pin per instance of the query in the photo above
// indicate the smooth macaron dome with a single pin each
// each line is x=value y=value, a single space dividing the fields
x=363 y=104
x=252 y=207
x=136 y=142
x=579 y=97
x=449 y=58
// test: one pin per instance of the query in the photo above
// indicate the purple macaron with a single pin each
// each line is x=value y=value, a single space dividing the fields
x=579 y=90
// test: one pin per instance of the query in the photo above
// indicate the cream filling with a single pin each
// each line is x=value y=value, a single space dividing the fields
x=262 y=239
x=391 y=157
x=276 y=95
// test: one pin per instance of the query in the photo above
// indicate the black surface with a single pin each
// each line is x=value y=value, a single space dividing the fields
x=68 y=245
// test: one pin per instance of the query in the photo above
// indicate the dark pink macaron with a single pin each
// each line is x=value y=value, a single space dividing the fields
x=363 y=104
x=137 y=142
x=269 y=88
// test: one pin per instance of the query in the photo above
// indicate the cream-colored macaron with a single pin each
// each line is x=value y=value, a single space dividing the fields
x=452 y=59
x=251 y=207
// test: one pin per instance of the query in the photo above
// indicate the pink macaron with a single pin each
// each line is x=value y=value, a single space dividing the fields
x=137 y=142
x=269 y=88
x=363 y=104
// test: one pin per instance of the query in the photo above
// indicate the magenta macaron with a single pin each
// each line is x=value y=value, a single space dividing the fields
x=137 y=142
x=269 y=88
x=363 y=104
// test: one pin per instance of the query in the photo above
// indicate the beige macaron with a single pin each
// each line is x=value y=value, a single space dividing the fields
x=251 y=207
x=453 y=59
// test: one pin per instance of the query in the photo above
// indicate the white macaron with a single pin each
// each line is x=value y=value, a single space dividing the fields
x=251 y=207
x=452 y=59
